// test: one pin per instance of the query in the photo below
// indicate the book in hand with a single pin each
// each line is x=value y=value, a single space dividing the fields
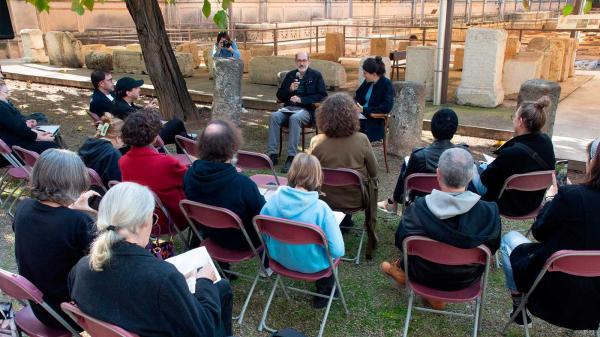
x=191 y=262
x=52 y=129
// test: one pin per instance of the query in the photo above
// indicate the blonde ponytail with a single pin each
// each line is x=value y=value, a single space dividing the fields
x=101 y=252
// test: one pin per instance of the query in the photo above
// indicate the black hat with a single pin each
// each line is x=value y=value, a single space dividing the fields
x=127 y=83
x=444 y=124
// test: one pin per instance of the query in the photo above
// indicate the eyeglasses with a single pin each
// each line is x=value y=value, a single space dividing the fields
x=155 y=219
x=301 y=61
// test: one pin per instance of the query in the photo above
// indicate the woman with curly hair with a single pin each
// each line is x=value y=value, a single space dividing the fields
x=53 y=229
x=144 y=165
x=337 y=120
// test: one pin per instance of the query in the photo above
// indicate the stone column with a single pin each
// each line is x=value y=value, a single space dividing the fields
x=531 y=90
x=406 y=117
x=33 y=45
x=420 y=61
x=227 y=95
x=263 y=12
x=481 y=83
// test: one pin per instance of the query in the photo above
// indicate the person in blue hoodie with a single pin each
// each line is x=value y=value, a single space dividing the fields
x=300 y=202
x=101 y=152
x=225 y=47
x=213 y=180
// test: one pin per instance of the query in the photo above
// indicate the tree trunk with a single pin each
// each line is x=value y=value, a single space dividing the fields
x=164 y=72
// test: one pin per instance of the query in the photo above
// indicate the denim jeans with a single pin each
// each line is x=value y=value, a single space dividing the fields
x=476 y=180
x=509 y=242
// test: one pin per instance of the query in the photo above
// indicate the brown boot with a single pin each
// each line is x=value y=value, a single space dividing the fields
x=437 y=305
x=393 y=271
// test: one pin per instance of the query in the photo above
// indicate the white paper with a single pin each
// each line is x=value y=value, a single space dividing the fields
x=190 y=262
x=488 y=159
x=268 y=191
x=53 y=129
x=361 y=116
x=339 y=216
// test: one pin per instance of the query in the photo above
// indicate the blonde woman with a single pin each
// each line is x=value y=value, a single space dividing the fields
x=120 y=282
x=102 y=152
x=300 y=202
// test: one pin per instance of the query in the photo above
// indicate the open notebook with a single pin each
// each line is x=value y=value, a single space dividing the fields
x=190 y=262
x=53 y=129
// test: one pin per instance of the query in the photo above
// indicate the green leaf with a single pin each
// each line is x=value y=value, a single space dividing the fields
x=89 y=4
x=226 y=3
x=40 y=5
x=588 y=7
x=568 y=9
x=77 y=7
x=206 y=8
x=220 y=19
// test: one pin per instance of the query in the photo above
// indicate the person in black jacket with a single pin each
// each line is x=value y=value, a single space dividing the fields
x=16 y=130
x=375 y=95
x=444 y=124
x=101 y=153
x=454 y=216
x=300 y=90
x=122 y=283
x=530 y=150
x=569 y=220
x=103 y=96
x=54 y=229
x=214 y=180
x=128 y=91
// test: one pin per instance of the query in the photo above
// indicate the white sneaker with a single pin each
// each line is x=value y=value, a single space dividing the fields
x=268 y=274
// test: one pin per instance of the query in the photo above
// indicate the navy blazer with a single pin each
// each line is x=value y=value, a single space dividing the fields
x=99 y=103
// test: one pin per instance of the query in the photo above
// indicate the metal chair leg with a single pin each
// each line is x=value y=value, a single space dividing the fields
x=324 y=321
x=262 y=325
x=339 y=286
x=245 y=306
x=524 y=313
x=477 y=316
x=411 y=296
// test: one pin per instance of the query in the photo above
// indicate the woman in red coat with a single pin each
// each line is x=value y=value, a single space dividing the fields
x=144 y=165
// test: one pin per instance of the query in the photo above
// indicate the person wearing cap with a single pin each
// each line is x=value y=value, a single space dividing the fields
x=568 y=221
x=128 y=91
x=425 y=159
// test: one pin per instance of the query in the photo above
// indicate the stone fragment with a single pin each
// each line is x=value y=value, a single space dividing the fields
x=381 y=46
x=459 y=56
x=186 y=63
x=481 y=82
x=64 y=49
x=532 y=90
x=420 y=62
x=33 y=45
x=406 y=122
x=208 y=61
x=133 y=47
x=192 y=48
x=517 y=70
x=386 y=61
x=99 y=60
x=557 y=50
x=512 y=47
x=227 y=97
x=128 y=61
x=334 y=45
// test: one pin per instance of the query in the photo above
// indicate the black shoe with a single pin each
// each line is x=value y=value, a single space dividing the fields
x=321 y=302
x=274 y=158
x=288 y=163
x=519 y=318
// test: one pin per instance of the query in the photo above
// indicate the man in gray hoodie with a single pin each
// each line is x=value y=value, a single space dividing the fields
x=454 y=216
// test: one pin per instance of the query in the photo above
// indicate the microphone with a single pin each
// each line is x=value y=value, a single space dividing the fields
x=298 y=76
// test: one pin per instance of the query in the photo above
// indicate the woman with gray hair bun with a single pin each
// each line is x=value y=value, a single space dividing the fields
x=122 y=283
x=53 y=229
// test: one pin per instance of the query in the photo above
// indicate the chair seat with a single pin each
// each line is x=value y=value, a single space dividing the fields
x=467 y=294
x=283 y=271
x=228 y=255
x=26 y=320
x=18 y=173
x=182 y=157
x=268 y=179
x=532 y=215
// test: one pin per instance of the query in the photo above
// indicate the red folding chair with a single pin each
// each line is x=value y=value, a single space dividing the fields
x=258 y=161
x=189 y=147
x=527 y=182
x=221 y=218
x=19 y=288
x=168 y=225
x=581 y=263
x=94 y=327
x=297 y=233
x=14 y=173
x=95 y=179
x=419 y=182
x=95 y=118
x=445 y=254
x=29 y=158
x=182 y=157
x=343 y=177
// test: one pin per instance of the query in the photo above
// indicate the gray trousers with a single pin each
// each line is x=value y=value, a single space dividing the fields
x=294 y=122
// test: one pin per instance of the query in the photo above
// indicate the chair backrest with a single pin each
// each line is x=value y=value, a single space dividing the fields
x=19 y=288
x=585 y=263
x=160 y=144
x=528 y=182
x=94 y=117
x=341 y=177
x=27 y=156
x=189 y=146
x=247 y=160
x=95 y=327
x=6 y=152
x=421 y=182
x=442 y=253
x=290 y=232
x=209 y=216
x=95 y=179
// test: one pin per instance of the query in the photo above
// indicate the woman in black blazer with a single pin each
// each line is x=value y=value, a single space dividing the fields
x=375 y=95
x=122 y=283
x=569 y=220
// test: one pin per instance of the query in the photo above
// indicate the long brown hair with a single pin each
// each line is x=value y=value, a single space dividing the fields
x=592 y=176
x=533 y=114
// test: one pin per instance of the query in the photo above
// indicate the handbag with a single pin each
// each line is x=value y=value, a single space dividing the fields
x=162 y=249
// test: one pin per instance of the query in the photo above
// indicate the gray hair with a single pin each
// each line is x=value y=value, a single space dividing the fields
x=59 y=176
x=302 y=52
x=456 y=167
x=126 y=206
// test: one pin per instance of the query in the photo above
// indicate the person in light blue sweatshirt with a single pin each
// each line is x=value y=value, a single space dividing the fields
x=225 y=47
x=300 y=202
